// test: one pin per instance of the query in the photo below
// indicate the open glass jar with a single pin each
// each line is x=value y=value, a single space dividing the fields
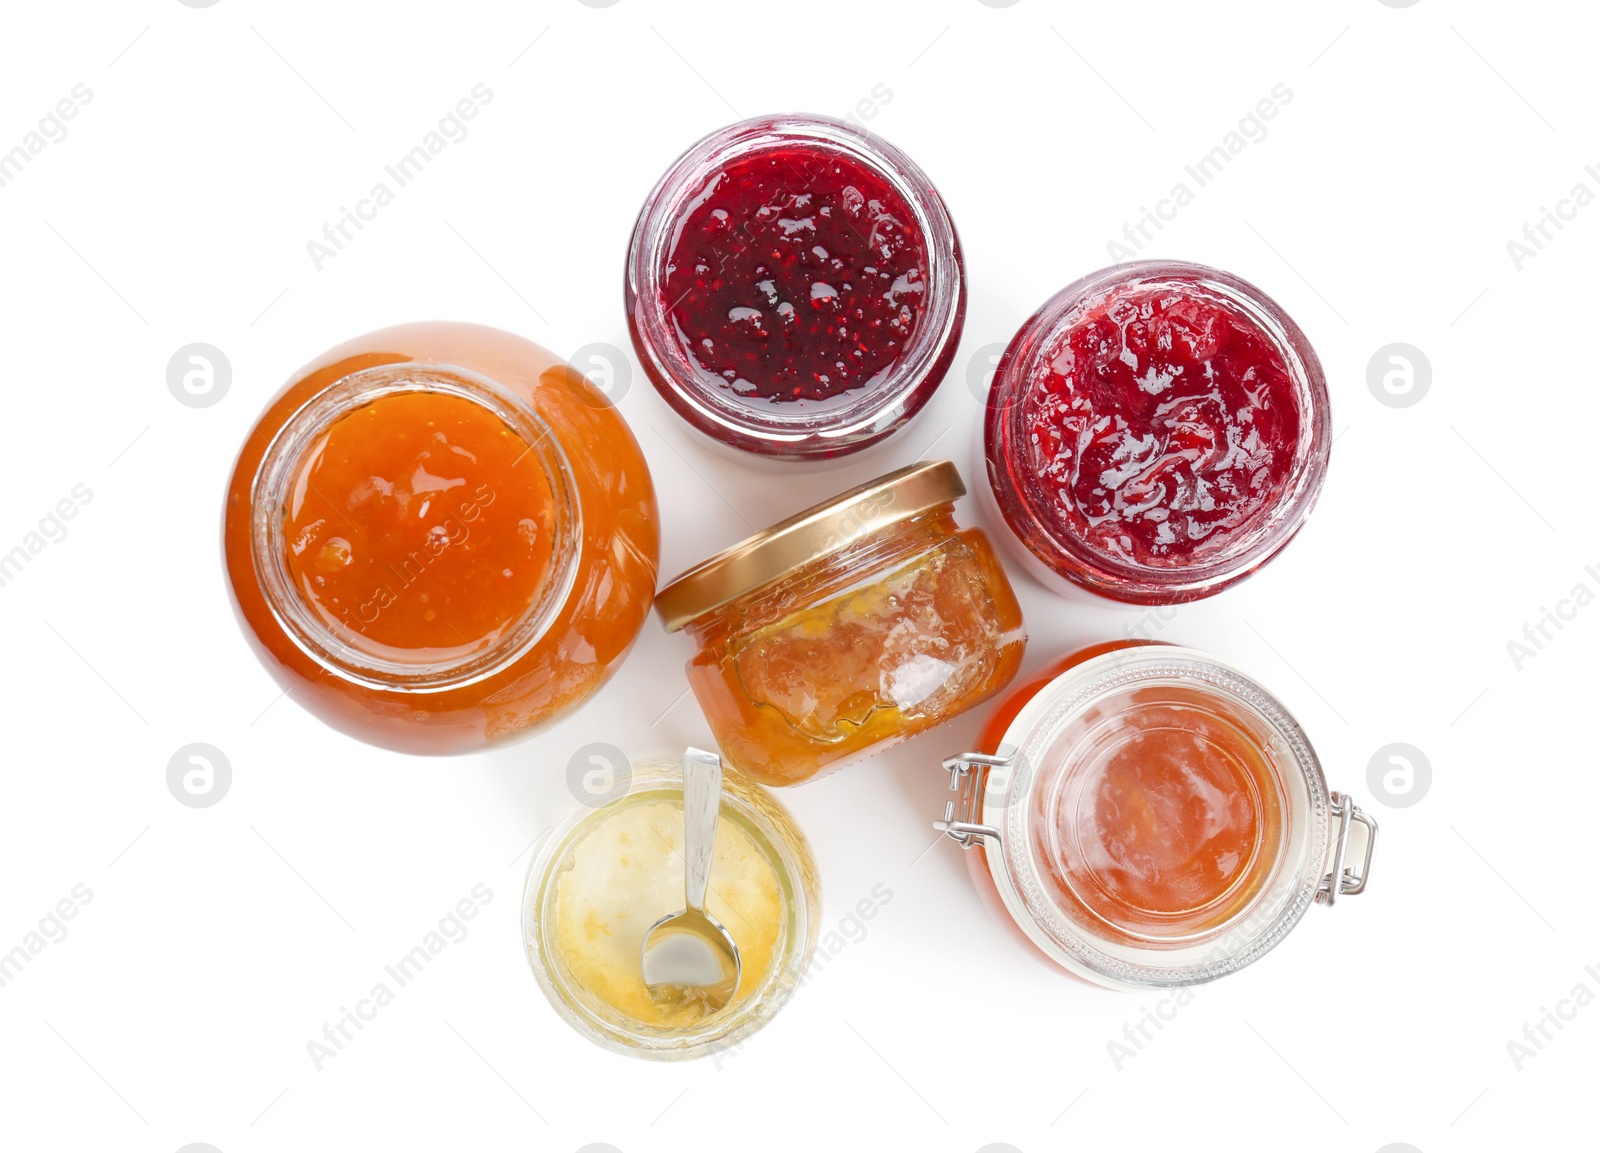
x=1149 y=817
x=795 y=288
x=609 y=870
x=850 y=626
x=1155 y=433
x=439 y=536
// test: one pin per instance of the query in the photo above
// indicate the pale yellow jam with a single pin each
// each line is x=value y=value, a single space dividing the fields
x=624 y=872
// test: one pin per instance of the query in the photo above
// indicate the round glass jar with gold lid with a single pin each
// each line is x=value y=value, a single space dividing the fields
x=847 y=627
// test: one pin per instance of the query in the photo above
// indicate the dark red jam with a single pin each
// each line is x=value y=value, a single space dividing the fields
x=797 y=276
x=1160 y=424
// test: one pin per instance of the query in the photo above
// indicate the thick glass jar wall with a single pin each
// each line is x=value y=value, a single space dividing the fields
x=881 y=640
x=595 y=588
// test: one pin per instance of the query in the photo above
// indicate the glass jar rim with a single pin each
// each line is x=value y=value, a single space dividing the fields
x=792 y=862
x=805 y=432
x=1124 y=579
x=806 y=537
x=1008 y=809
x=281 y=462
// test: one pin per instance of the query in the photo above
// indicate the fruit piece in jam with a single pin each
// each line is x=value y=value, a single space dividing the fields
x=807 y=683
x=910 y=645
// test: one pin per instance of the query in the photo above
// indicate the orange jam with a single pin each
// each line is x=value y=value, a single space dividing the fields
x=1163 y=819
x=420 y=525
x=1158 y=815
x=857 y=650
x=440 y=536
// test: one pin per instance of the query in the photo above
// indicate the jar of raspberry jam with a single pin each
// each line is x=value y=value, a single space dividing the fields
x=795 y=288
x=439 y=536
x=848 y=627
x=1155 y=433
x=1150 y=817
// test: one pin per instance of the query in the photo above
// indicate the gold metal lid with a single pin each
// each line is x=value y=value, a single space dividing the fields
x=807 y=536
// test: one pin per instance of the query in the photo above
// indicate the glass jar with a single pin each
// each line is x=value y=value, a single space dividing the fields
x=1154 y=434
x=439 y=536
x=795 y=288
x=1149 y=817
x=848 y=627
x=606 y=873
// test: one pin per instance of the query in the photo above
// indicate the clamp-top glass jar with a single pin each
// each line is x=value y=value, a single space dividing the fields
x=1149 y=817
x=795 y=288
x=439 y=536
x=847 y=627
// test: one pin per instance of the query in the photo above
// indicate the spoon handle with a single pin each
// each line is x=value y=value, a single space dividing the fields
x=702 y=802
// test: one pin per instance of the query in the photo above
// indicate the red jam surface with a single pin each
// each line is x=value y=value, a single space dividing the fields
x=1160 y=424
x=798 y=275
x=421 y=525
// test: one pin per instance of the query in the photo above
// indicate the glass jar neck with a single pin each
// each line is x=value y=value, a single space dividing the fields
x=272 y=494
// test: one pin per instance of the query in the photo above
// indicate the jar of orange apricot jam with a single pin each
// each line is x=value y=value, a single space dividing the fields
x=848 y=627
x=439 y=536
x=1149 y=817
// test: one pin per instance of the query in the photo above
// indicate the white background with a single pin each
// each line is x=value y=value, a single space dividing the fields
x=218 y=941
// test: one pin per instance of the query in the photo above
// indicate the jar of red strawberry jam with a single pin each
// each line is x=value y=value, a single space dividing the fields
x=440 y=536
x=795 y=288
x=1148 y=816
x=1155 y=433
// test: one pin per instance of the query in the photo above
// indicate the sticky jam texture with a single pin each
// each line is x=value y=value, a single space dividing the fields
x=798 y=275
x=907 y=647
x=420 y=526
x=803 y=685
x=1166 y=820
x=625 y=873
x=1162 y=425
